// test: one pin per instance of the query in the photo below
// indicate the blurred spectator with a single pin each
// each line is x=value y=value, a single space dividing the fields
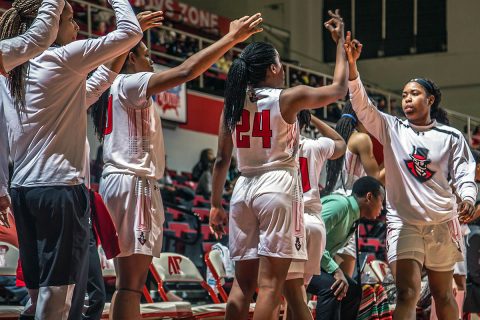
x=204 y=186
x=225 y=62
x=204 y=163
x=171 y=193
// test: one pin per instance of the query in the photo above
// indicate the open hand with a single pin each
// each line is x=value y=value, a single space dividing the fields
x=241 y=29
x=340 y=286
x=335 y=25
x=150 y=19
x=218 y=221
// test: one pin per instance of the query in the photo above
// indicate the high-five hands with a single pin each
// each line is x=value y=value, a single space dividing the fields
x=353 y=48
x=241 y=29
x=150 y=19
x=335 y=25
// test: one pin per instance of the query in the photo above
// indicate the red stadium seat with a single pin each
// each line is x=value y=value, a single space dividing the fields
x=176 y=213
x=179 y=228
x=202 y=213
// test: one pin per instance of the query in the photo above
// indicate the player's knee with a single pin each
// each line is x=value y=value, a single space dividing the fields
x=406 y=294
x=441 y=295
x=131 y=283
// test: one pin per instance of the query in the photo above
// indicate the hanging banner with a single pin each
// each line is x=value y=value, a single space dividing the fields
x=171 y=104
x=182 y=12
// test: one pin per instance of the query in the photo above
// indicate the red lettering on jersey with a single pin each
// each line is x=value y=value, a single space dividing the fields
x=109 y=123
x=261 y=129
x=243 y=141
x=304 y=173
x=174 y=265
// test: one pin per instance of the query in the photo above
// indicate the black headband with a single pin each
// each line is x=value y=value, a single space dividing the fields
x=424 y=83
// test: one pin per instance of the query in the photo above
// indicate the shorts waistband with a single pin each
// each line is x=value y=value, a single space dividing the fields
x=261 y=171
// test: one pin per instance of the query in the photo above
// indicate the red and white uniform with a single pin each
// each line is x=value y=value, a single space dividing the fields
x=421 y=162
x=134 y=157
x=266 y=206
x=312 y=157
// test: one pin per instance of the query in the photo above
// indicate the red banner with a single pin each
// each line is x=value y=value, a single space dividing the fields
x=189 y=15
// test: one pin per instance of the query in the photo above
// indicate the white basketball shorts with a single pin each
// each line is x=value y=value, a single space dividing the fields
x=136 y=208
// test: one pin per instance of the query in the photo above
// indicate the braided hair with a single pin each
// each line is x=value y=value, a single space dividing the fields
x=345 y=127
x=14 y=22
x=431 y=88
x=247 y=70
x=99 y=109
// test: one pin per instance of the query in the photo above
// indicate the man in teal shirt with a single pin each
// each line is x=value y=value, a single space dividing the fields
x=338 y=295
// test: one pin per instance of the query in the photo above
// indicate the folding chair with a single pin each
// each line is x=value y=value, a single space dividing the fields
x=8 y=259
x=150 y=310
x=8 y=267
x=173 y=267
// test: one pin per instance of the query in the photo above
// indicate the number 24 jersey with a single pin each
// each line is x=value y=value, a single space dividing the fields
x=263 y=139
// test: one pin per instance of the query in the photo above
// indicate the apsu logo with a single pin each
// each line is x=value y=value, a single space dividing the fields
x=174 y=264
x=169 y=100
x=142 y=239
x=417 y=165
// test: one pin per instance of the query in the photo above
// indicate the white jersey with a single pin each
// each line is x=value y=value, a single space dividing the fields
x=352 y=170
x=17 y=50
x=47 y=140
x=264 y=140
x=312 y=156
x=133 y=137
x=420 y=163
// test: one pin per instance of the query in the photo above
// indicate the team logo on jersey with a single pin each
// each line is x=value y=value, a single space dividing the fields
x=417 y=165
x=298 y=245
x=142 y=239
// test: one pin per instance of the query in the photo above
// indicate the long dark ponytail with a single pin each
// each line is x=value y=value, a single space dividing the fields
x=14 y=22
x=345 y=127
x=431 y=88
x=248 y=69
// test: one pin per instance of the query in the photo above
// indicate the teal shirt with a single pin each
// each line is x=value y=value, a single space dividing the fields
x=339 y=214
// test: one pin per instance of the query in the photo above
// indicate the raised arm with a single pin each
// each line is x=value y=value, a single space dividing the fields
x=373 y=120
x=304 y=97
x=84 y=56
x=218 y=217
x=105 y=75
x=240 y=30
x=328 y=132
x=42 y=33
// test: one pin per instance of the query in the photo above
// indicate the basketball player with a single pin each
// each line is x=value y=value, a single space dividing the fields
x=266 y=209
x=422 y=156
x=17 y=50
x=46 y=121
x=312 y=156
x=134 y=159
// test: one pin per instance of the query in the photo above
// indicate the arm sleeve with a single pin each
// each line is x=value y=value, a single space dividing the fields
x=38 y=38
x=462 y=171
x=133 y=90
x=83 y=56
x=328 y=263
x=98 y=83
x=375 y=122
x=4 y=153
